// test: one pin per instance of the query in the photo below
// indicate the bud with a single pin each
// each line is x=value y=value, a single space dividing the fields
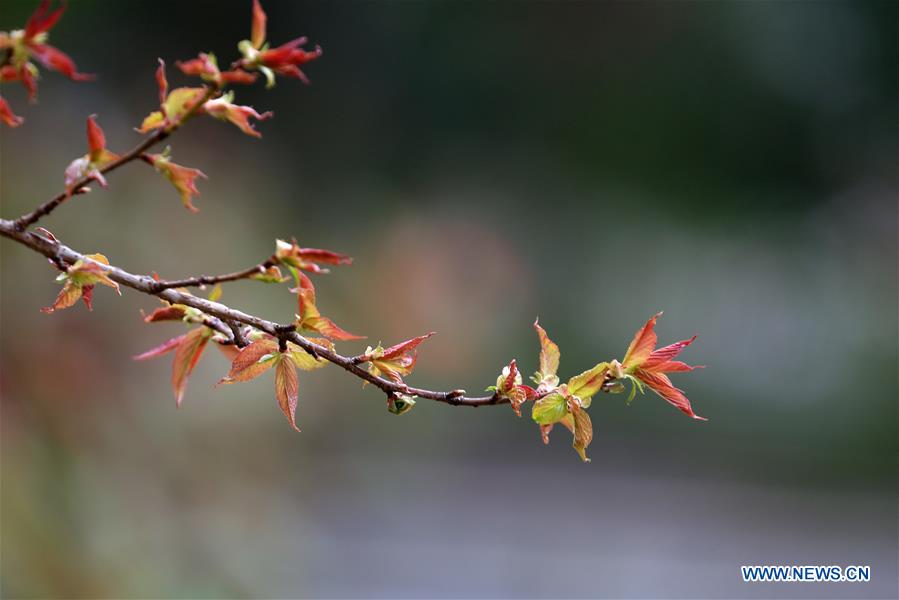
x=400 y=403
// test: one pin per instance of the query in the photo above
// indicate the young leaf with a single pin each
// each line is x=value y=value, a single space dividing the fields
x=309 y=318
x=89 y=165
x=176 y=106
x=585 y=385
x=305 y=361
x=7 y=116
x=187 y=354
x=283 y=60
x=270 y=275
x=79 y=281
x=257 y=35
x=650 y=365
x=396 y=361
x=509 y=386
x=549 y=359
x=174 y=312
x=188 y=348
x=578 y=423
x=286 y=388
x=252 y=361
x=549 y=409
x=183 y=178
x=223 y=109
x=307 y=259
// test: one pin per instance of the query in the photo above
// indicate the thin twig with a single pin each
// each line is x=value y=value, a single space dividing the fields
x=213 y=279
x=47 y=207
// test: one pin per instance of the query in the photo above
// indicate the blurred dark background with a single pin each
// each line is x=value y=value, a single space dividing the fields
x=733 y=163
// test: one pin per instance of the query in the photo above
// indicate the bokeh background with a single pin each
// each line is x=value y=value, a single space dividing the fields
x=733 y=163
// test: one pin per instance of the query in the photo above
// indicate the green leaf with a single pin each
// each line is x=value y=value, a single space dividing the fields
x=585 y=385
x=550 y=409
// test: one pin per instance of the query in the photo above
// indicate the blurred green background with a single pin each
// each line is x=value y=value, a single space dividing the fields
x=733 y=163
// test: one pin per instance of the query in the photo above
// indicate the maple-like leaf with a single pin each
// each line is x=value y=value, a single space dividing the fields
x=79 y=280
x=188 y=349
x=291 y=255
x=224 y=109
x=23 y=46
x=90 y=165
x=263 y=354
x=509 y=386
x=206 y=67
x=644 y=362
x=252 y=361
x=310 y=319
x=546 y=377
x=394 y=362
x=183 y=178
x=7 y=116
x=174 y=106
x=171 y=312
x=566 y=403
x=285 y=60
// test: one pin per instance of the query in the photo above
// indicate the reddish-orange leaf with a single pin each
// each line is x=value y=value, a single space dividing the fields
x=187 y=353
x=662 y=386
x=68 y=296
x=310 y=319
x=404 y=347
x=287 y=388
x=40 y=21
x=222 y=108
x=183 y=178
x=306 y=259
x=257 y=35
x=659 y=359
x=165 y=313
x=229 y=351
x=96 y=139
x=248 y=364
x=642 y=345
x=7 y=116
x=161 y=82
x=161 y=349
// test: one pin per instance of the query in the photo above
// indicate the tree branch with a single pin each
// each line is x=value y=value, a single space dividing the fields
x=47 y=207
x=225 y=319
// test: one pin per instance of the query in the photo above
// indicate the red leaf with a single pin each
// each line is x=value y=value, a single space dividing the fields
x=404 y=347
x=165 y=313
x=96 y=139
x=257 y=32
x=162 y=82
x=40 y=21
x=659 y=357
x=57 y=60
x=662 y=386
x=161 y=349
x=7 y=116
x=287 y=389
x=642 y=345
x=246 y=365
